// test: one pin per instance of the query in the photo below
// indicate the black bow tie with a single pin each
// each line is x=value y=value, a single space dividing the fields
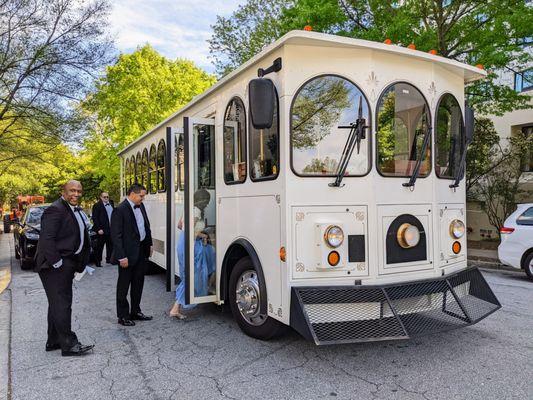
x=107 y=204
x=136 y=206
x=77 y=208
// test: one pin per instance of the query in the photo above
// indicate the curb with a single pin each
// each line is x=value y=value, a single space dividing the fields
x=5 y=327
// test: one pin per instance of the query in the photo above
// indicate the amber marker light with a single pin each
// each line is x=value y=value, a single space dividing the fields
x=411 y=46
x=456 y=247
x=433 y=52
x=387 y=41
x=308 y=28
x=333 y=258
x=480 y=66
x=282 y=254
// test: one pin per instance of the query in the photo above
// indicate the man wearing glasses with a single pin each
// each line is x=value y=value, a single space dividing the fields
x=101 y=215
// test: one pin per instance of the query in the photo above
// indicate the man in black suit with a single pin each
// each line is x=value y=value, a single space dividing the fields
x=63 y=249
x=101 y=215
x=132 y=245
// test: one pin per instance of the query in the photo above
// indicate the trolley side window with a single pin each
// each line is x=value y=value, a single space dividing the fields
x=403 y=120
x=133 y=171
x=161 y=155
x=321 y=116
x=264 y=149
x=180 y=163
x=138 y=168
x=125 y=172
x=449 y=137
x=152 y=170
x=144 y=168
x=235 y=142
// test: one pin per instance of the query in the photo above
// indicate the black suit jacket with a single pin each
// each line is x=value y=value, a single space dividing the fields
x=100 y=219
x=60 y=237
x=125 y=235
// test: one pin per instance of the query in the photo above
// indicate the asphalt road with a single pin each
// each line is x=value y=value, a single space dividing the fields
x=207 y=357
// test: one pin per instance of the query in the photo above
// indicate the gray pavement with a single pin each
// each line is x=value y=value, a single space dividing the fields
x=207 y=357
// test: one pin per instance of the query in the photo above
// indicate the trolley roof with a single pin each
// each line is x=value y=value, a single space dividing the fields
x=305 y=38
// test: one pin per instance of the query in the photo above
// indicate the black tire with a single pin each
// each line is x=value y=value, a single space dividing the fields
x=528 y=266
x=269 y=327
x=17 y=251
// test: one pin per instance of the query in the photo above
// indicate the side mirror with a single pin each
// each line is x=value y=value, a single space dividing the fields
x=469 y=125
x=262 y=95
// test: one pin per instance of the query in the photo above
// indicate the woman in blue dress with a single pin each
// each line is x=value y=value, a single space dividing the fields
x=204 y=257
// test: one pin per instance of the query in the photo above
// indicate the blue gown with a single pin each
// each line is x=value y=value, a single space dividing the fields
x=204 y=265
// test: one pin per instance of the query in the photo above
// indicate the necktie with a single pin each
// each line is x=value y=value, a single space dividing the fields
x=77 y=208
x=136 y=206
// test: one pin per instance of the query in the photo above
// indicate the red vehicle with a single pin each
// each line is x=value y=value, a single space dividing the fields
x=23 y=201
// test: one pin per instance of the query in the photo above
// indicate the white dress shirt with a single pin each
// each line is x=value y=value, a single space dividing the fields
x=109 y=210
x=139 y=219
x=81 y=225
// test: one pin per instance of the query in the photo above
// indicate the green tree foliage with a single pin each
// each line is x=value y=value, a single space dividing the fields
x=489 y=33
x=239 y=37
x=135 y=94
x=49 y=53
x=493 y=170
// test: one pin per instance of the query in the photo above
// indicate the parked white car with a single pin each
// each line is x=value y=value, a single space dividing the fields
x=516 y=247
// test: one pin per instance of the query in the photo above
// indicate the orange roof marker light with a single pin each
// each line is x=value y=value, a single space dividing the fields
x=480 y=66
x=411 y=46
x=387 y=41
x=433 y=51
x=308 y=28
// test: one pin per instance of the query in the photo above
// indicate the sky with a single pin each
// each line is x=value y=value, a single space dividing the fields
x=175 y=28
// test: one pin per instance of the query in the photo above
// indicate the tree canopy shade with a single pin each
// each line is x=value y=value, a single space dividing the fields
x=491 y=33
x=135 y=94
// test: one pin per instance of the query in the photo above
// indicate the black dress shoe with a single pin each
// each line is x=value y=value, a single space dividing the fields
x=98 y=265
x=126 y=322
x=141 y=317
x=77 y=350
x=52 y=347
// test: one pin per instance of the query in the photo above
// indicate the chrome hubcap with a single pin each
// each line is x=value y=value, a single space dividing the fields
x=248 y=298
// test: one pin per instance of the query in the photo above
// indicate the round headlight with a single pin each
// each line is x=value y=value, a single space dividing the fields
x=334 y=236
x=408 y=236
x=457 y=229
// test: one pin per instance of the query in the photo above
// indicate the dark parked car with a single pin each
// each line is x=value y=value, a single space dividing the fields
x=26 y=234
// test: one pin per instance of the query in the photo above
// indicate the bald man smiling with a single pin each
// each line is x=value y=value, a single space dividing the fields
x=62 y=250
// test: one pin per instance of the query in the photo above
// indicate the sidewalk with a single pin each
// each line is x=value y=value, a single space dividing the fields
x=5 y=315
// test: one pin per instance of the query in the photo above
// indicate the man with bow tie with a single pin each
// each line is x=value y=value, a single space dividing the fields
x=132 y=245
x=101 y=215
x=62 y=250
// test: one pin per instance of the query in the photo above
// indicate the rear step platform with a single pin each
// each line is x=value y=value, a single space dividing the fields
x=351 y=314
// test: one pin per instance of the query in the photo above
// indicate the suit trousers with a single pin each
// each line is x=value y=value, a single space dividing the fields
x=101 y=241
x=133 y=277
x=57 y=283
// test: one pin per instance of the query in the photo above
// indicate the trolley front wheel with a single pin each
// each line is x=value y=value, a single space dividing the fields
x=245 y=296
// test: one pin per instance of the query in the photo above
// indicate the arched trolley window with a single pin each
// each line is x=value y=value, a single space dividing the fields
x=161 y=156
x=144 y=168
x=180 y=163
x=138 y=168
x=264 y=149
x=321 y=116
x=125 y=175
x=449 y=137
x=235 y=142
x=152 y=170
x=402 y=121
x=133 y=171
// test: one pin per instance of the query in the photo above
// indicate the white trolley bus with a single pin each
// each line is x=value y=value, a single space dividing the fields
x=327 y=173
